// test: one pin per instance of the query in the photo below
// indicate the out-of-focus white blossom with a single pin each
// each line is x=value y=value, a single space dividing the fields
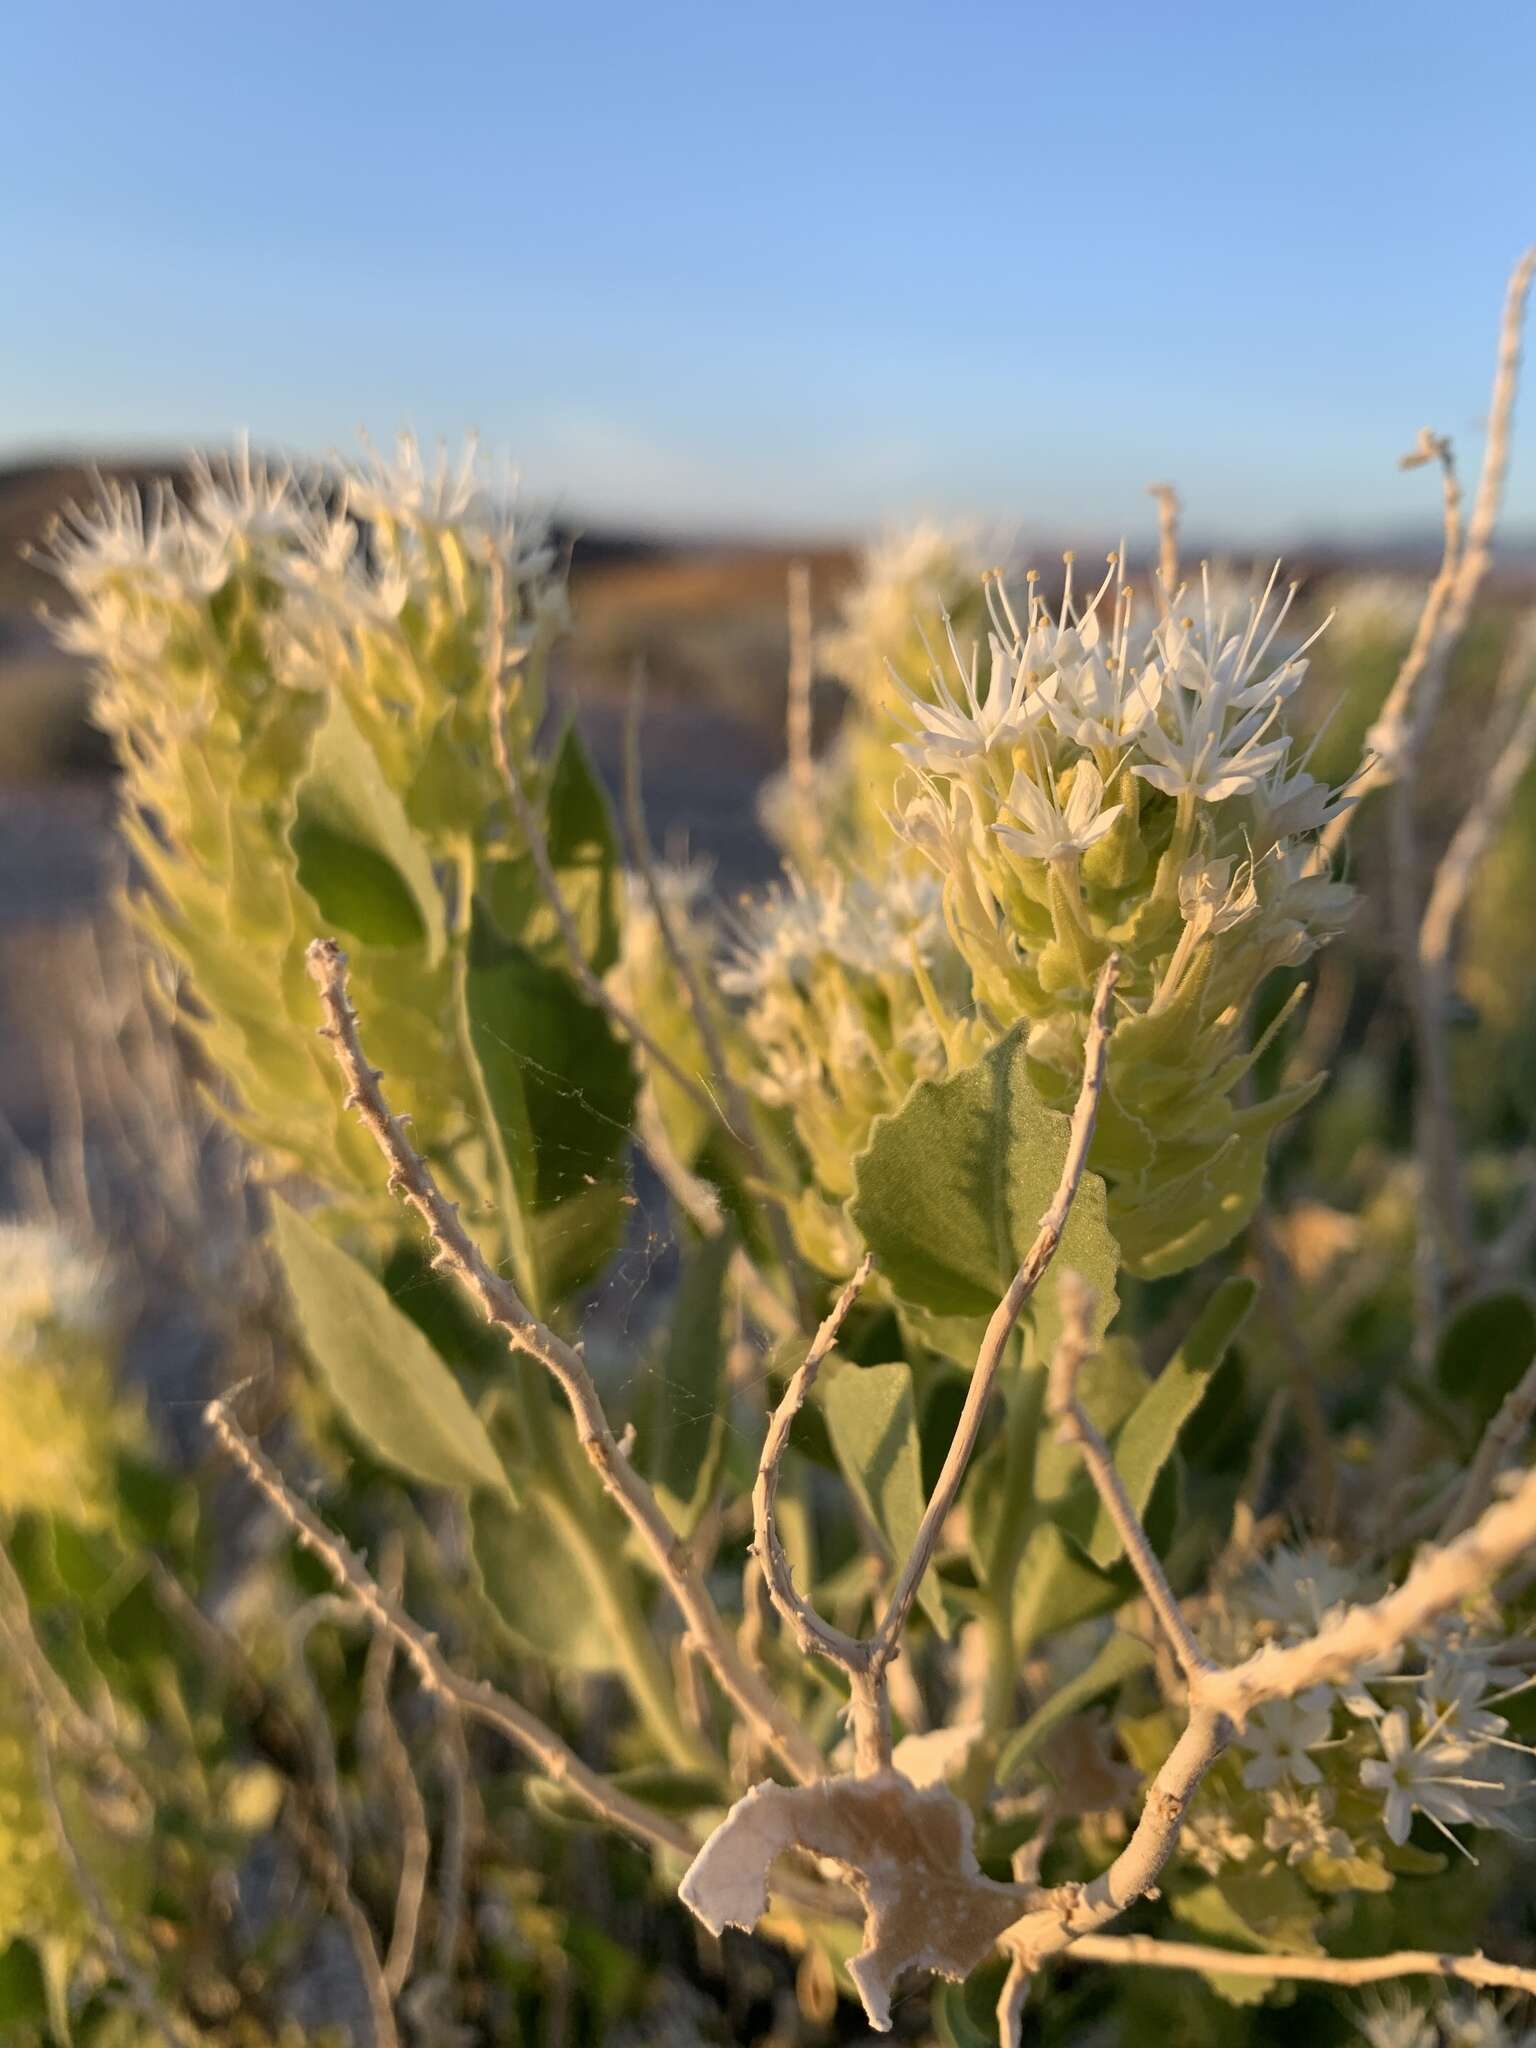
x=1048 y=829
x=1278 y=1736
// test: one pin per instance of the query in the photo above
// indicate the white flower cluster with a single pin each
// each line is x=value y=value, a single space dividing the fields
x=851 y=994
x=1460 y=2021
x=356 y=536
x=1417 y=1733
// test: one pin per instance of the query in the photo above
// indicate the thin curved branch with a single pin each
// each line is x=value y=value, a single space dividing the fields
x=470 y=1696
x=499 y=1302
x=813 y=1634
x=1075 y=1427
x=994 y=1343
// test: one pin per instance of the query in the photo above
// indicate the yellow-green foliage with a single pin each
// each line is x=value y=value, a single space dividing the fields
x=62 y=1421
x=298 y=678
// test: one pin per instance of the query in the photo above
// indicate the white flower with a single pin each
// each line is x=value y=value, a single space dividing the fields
x=1478 y=2023
x=1215 y=706
x=1373 y=608
x=1451 y=1783
x=440 y=494
x=1094 y=699
x=126 y=536
x=46 y=1279
x=1280 y=1733
x=239 y=498
x=1053 y=830
x=1212 y=1839
x=1212 y=899
x=953 y=729
x=778 y=939
x=1297 y=1827
x=1397 y=2024
x=1297 y=1587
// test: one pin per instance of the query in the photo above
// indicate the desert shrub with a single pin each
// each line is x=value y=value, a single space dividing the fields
x=1056 y=1473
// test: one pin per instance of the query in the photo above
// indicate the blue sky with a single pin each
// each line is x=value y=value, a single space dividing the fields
x=783 y=267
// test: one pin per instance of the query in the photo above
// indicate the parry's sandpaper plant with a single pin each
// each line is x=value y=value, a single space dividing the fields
x=992 y=1560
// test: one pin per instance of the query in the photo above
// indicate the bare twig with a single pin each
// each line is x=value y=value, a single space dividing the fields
x=1004 y=1317
x=1505 y=1432
x=1011 y=2001
x=473 y=1697
x=1074 y=1426
x=1167 y=538
x=139 y=1983
x=811 y=1632
x=1452 y=884
x=1221 y=1700
x=456 y=1253
x=1415 y=692
x=381 y=1737
x=797 y=718
x=1440 y=1579
x=1150 y=1952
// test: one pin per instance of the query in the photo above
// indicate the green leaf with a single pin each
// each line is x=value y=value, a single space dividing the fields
x=1149 y=1434
x=23 y=1989
x=686 y=1416
x=1188 y=1213
x=1264 y=1906
x=560 y=1084
x=537 y=1583
x=950 y=1192
x=872 y=1420
x=663 y=1786
x=584 y=852
x=1486 y=1349
x=394 y=1390
x=359 y=855
x=1120 y=1656
x=1058 y=1584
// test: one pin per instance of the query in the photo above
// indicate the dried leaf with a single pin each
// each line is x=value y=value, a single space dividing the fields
x=909 y=1857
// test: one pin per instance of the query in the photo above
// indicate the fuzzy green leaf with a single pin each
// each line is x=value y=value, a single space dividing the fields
x=537 y=1584
x=1057 y=1583
x=584 y=852
x=950 y=1192
x=360 y=857
x=687 y=1416
x=1147 y=1439
x=395 y=1392
x=872 y=1420
x=560 y=1084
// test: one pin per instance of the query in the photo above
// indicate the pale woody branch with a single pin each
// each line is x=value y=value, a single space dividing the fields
x=867 y=1660
x=472 y=1697
x=1220 y=1700
x=810 y=1631
x=1147 y=1950
x=1415 y=692
x=1005 y=1317
x=501 y=1305
x=1074 y=1426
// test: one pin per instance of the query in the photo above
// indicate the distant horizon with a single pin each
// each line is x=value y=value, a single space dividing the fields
x=1415 y=544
